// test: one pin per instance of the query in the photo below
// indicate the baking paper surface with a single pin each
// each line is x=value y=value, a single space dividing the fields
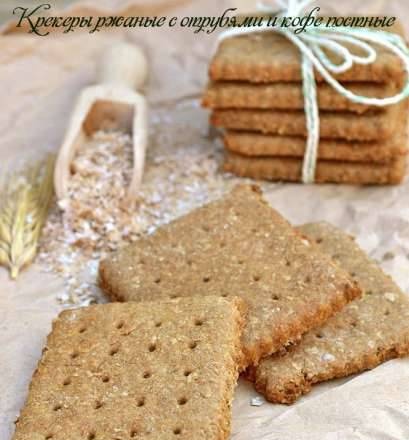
x=40 y=78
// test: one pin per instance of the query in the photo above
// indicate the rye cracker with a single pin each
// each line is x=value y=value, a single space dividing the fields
x=288 y=96
x=364 y=334
x=370 y=126
x=328 y=171
x=257 y=144
x=162 y=370
x=235 y=246
x=270 y=57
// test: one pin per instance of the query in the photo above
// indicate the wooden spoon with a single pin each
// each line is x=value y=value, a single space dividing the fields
x=114 y=103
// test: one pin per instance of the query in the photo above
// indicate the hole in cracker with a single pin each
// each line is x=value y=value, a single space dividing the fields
x=319 y=335
x=254 y=230
x=74 y=354
x=152 y=347
x=354 y=324
x=120 y=324
x=192 y=345
x=105 y=378
x=158 y=324
x=147 y=375
x=319 y=240
x=49 y=436
x=174 y=296
x=206 y=228
x=67 y=382
x=387 y=312
x=307 y=279
x=98 y=404
x=113 y=351
x=275 y=298
x=256 y=278
x=225 y=295
x=157 y=280
x=141 y=402
x=142 y=261
x=177 y=431
x=222 y=244
x=82 y=329
x=206 y=279
x=91 y=435
x=198 y=322
x=240 y=261
x=189 y=262
x=187 y=373
x=134 y=432
x=57 y=407
x=353 y=274
x=182 y=401
x=368 y=292
x=287 y=263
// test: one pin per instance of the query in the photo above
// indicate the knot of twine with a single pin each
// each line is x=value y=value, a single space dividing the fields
x=311 y=43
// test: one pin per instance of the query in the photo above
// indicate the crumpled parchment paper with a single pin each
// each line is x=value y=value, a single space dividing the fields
x=40 y=78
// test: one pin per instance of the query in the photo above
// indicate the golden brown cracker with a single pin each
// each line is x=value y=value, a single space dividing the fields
x=288 y=96
x=370 y=126
x=327 y=171
x=364 y=334
x=162 y=370
x=270 y=57
x=259 y=145
x=235 y=246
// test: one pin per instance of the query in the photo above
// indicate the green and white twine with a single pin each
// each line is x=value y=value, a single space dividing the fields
x=310 y=43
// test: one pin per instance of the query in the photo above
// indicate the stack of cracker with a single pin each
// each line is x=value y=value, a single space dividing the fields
x=255 y=93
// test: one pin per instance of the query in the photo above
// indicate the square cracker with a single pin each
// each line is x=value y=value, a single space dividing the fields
x=270 y=57
x=370 y=126
x=162 y=370
x=235 y=246
x=327 y=171
x=289 y=96
x=364 y=334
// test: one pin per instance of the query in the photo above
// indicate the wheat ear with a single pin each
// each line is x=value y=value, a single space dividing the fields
x=26 y=199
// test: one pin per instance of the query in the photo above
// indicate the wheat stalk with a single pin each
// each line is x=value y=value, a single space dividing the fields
x=25 y=200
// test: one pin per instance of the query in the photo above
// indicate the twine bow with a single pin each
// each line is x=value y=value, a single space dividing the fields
x=311 y=43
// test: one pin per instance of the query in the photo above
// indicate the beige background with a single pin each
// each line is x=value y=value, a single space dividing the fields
x=7 y=6
x=40 y=78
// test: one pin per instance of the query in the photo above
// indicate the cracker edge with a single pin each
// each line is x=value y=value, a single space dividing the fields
x=290 y=391
x=231 y=382
x=249 y=167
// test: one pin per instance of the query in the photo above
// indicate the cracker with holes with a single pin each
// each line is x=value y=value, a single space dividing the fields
x=367 y=332
x=269 y=57
x=236 y=246
x=162 y=370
